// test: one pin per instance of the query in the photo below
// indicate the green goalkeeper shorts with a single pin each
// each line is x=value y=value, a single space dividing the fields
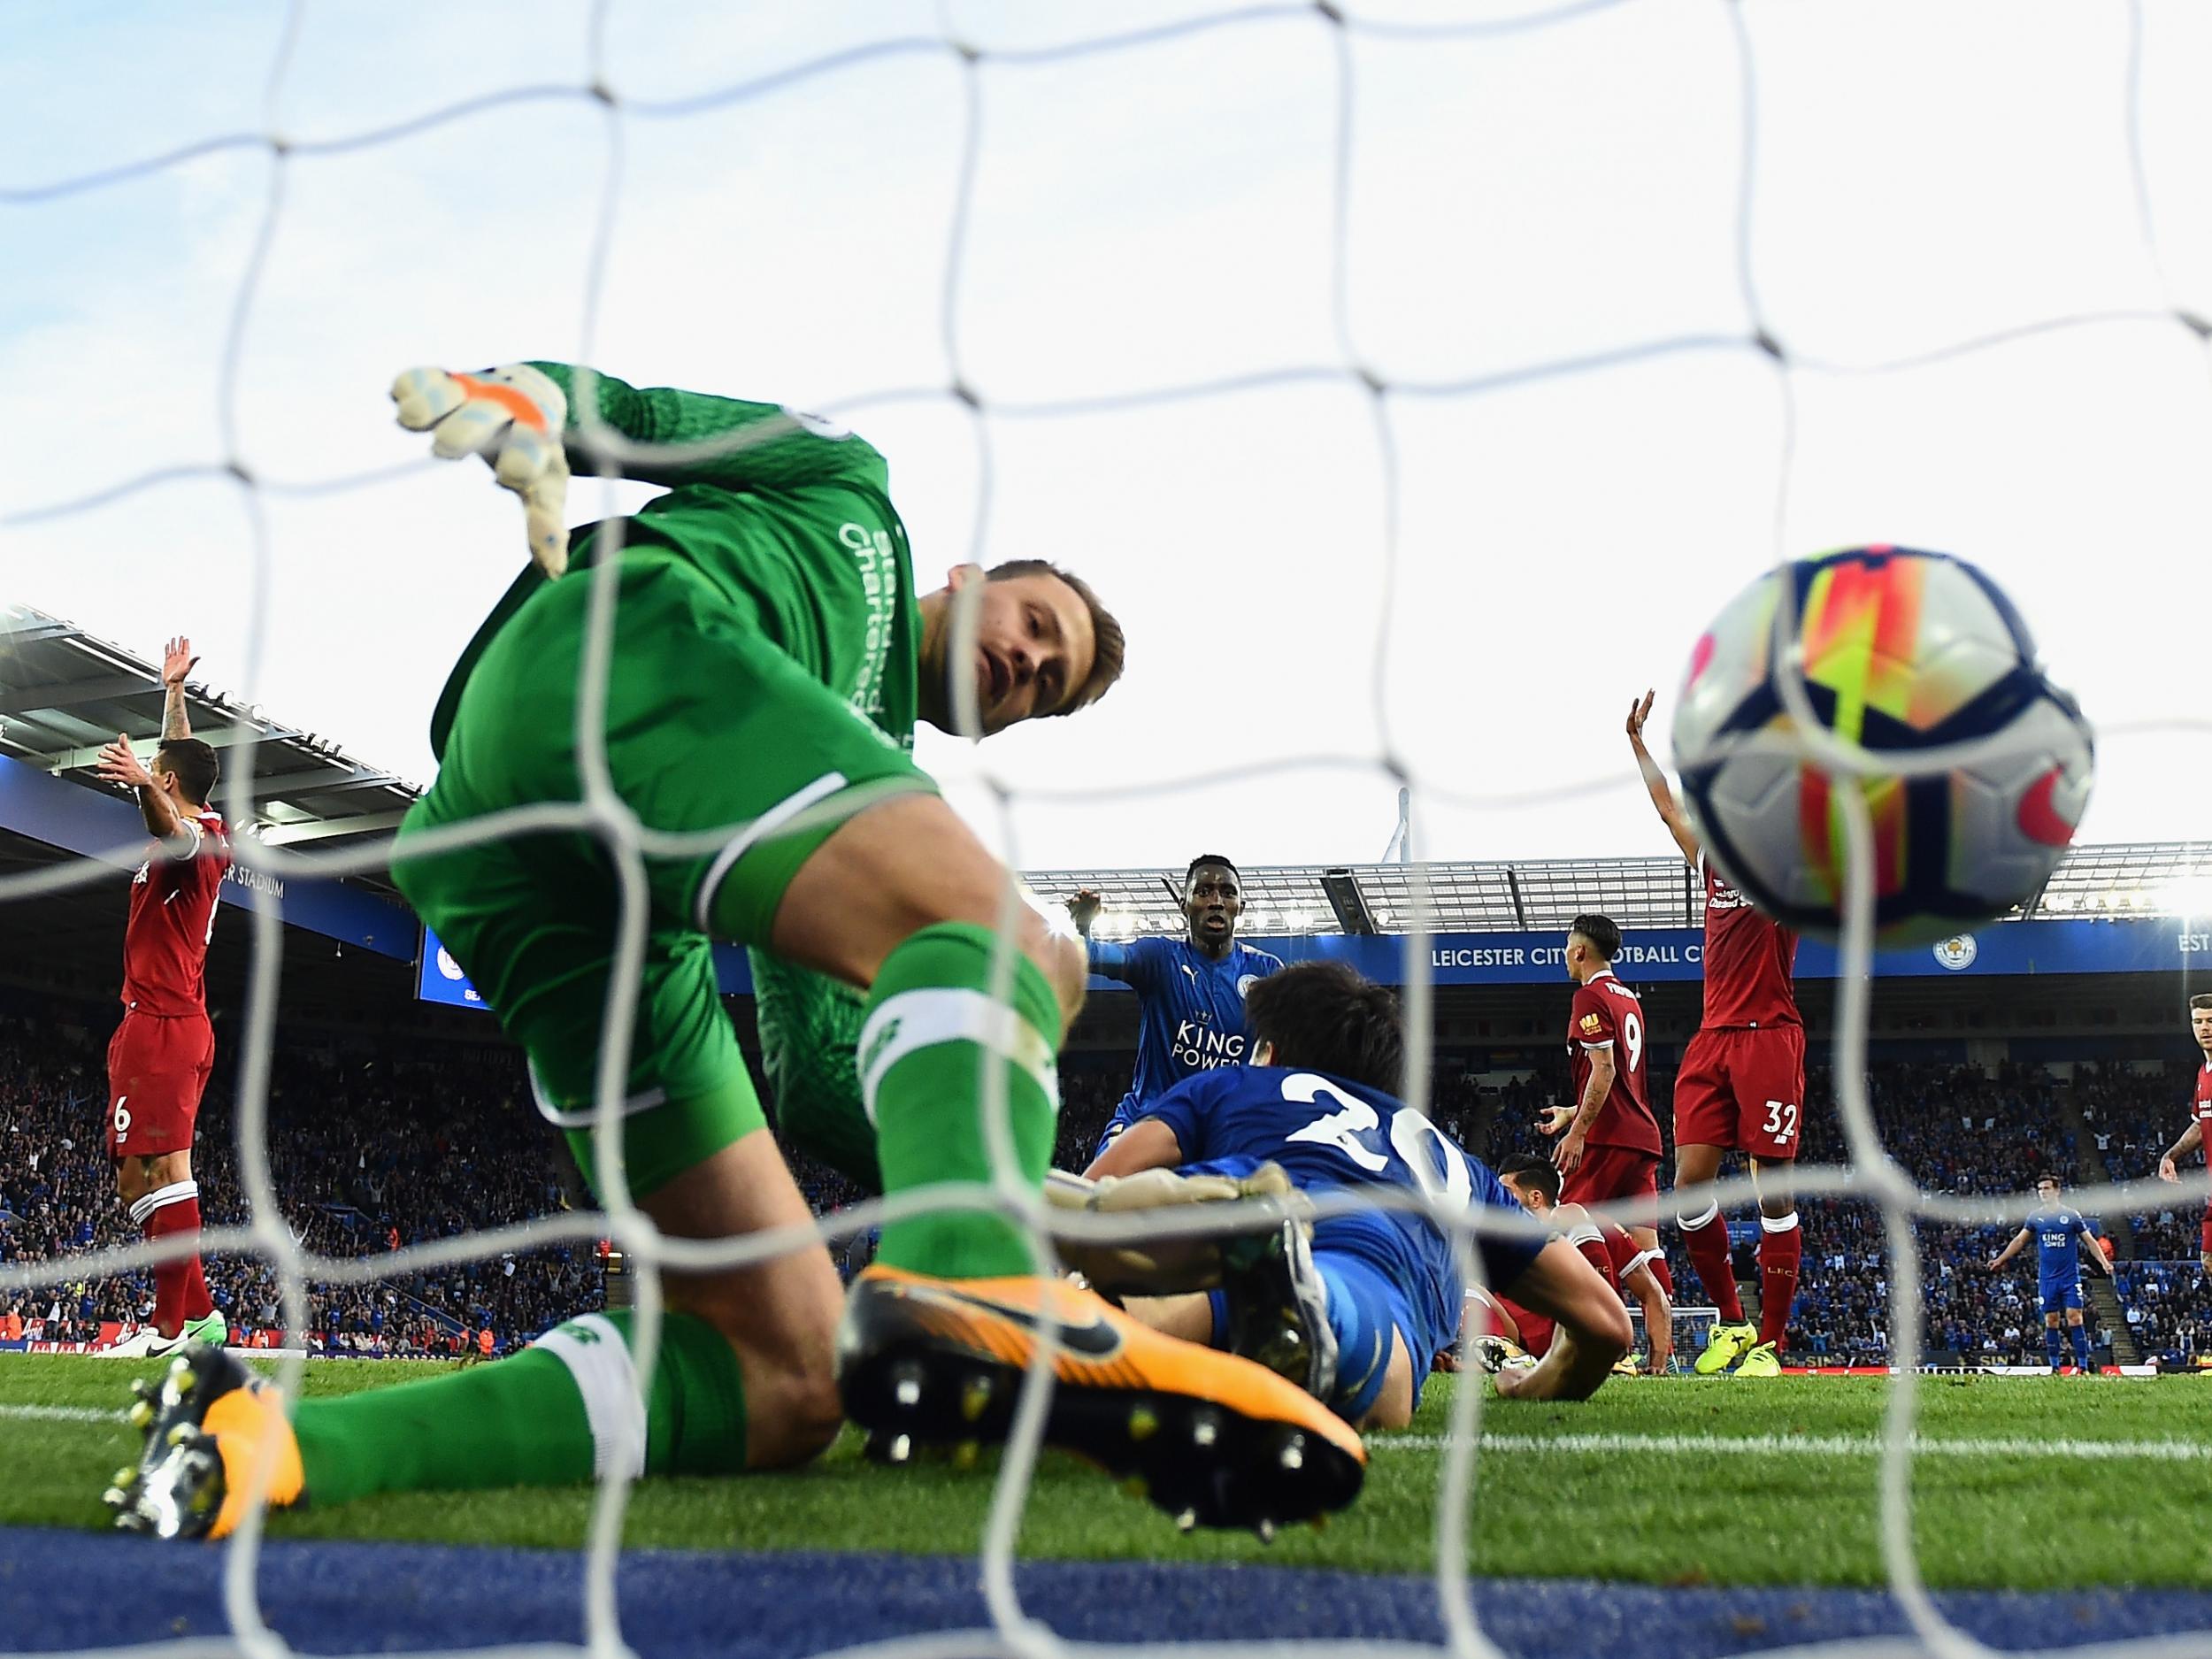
x=710 y=727
x=809 y=1041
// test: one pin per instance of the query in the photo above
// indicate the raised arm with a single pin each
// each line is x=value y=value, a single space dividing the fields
x=2019 y=1243
x=512 y=415
x=118 y=764
x=1669 y=810
x=2191 y=1138
x=177 y=661
x=1114 y=961
x=769 y=447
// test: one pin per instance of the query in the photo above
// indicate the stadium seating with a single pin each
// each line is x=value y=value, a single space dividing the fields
x=376 y=1143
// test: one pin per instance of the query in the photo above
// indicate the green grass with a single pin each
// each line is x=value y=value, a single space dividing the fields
x=1772 y=1514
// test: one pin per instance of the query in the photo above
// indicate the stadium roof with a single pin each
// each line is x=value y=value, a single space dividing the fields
x=2141 y=879
x=64 y=693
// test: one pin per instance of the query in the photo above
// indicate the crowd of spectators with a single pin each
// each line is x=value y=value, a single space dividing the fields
x=373 y=1147
x=2165 y=1308
x=2131 y=1116
x=370 y=1148
x=1959 y=1131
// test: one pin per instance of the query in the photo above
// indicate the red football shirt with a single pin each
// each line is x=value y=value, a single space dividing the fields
x=2202 y=1106
x=172 y=915
x=1607 y=1015
x=1749 y=960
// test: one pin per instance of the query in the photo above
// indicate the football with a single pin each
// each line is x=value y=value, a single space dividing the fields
x=1899 y=651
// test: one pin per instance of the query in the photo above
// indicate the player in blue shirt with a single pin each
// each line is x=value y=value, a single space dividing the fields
x=1190 y=992
x=1380 y=1294
x=2062 y=1238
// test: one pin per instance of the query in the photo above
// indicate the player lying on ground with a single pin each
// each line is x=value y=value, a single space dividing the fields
x=2200 y=1115
x=1381 y=1292
x=160 y=1058
x=1624 y=1265
x=2057 y=1230
x=770 y=659
x=1608 y=1140
x=1190 y=991
x=1741 y=1088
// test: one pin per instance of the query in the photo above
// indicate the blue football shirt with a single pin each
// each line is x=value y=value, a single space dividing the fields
x=1329 y=1134
x=1191 y=1008
x=2057 y=1262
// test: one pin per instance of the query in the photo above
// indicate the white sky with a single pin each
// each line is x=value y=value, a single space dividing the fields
x=1149 y=217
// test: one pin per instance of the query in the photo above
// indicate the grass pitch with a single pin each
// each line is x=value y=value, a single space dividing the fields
x=2021 y=1483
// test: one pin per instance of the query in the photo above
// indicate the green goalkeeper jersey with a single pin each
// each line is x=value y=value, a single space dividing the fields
x=794 y=524
x=795 y=527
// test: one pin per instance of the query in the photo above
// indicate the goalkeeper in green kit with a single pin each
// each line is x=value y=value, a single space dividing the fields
x=770 y=659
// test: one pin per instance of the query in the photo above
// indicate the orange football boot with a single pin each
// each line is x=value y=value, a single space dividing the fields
x=205 y=1425
x=1216 y=1440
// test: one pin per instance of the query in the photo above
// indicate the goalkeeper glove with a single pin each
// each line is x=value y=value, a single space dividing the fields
x=513 y=417
x=1168 y=1261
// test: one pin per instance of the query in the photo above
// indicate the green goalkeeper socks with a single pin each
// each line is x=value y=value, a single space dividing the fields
x=932 y=1027
x=563 y=1410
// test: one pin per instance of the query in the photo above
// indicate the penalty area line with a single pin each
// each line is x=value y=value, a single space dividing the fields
x=59 y=1414
x=1807 y=1446
x=1617 y=1445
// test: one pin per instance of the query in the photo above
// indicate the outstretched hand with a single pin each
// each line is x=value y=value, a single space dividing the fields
x=1083 y=909
x=118 y=763
x=514 y=416
x=177 y=661
x=1638 y=713
x=1566 y=1157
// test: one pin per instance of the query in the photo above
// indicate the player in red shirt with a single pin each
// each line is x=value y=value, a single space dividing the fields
x=1609 y=1140
x=2200 y=1115
x=1631 y=1268
x=1741 y=1089
x=160 y=1058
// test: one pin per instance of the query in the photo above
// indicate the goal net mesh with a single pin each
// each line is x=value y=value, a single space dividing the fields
x=1437 y=331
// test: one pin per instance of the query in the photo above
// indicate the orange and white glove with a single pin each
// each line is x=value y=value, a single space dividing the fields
x=513 y=417
x=1170 y=1262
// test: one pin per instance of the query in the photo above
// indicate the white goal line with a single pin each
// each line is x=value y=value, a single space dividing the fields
x=2169 y=1451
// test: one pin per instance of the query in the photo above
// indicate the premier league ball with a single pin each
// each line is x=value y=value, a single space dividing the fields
x=1901 y=652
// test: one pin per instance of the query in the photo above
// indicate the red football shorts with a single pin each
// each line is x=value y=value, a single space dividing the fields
x=1607 y=1173
x=2208 y=1230
x=1742 y=1088
x=158 y=1068
x=1536 y=1329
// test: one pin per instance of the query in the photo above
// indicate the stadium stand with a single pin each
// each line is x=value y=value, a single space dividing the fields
x=377 y=1142
x=371 y=1148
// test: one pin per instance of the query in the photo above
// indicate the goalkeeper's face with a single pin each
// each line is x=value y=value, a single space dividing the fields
x=1034 y=645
